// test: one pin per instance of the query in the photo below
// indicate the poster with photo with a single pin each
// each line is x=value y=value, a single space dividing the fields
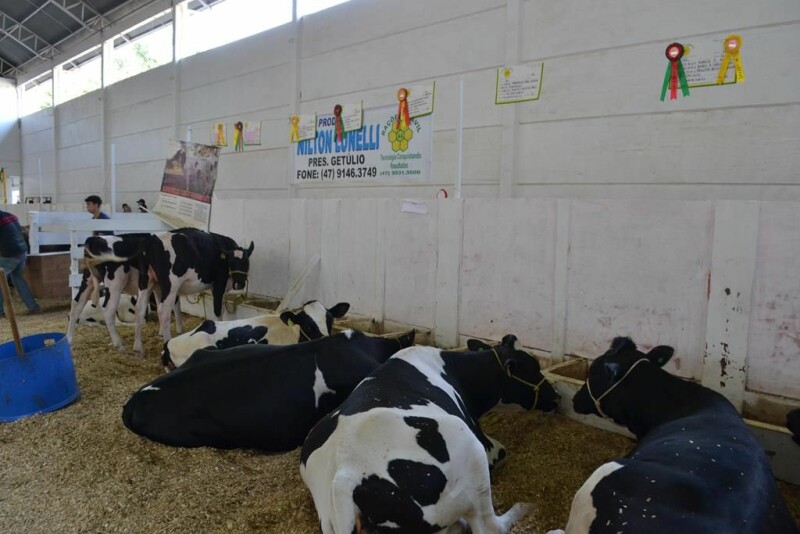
x=187 y=185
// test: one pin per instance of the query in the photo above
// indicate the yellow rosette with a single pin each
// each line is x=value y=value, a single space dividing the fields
x=294 y=134
x=731 y=46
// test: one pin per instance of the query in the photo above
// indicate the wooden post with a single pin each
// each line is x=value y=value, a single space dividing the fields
x=9 y=308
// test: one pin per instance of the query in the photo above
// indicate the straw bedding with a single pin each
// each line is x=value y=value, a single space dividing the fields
x=80 y=470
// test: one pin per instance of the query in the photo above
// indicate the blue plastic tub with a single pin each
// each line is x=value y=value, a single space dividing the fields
x=41 y=380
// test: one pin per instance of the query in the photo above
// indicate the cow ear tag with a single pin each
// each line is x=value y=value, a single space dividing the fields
x=660 y=355
x=612 y=369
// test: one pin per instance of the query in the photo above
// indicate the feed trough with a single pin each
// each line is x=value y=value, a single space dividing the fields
x=36 y=372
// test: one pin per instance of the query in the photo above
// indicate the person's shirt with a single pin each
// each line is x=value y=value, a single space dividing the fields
x=12 y=242
x=103 y=215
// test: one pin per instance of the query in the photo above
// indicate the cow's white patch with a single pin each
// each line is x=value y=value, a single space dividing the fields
x=150 y=388
x=317 y=313
x=432 y=366
x=348 y=333
x=583 y=512
x=238 y=254
x=320 y=387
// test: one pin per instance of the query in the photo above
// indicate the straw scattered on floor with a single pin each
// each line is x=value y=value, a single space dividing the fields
x=79 y=469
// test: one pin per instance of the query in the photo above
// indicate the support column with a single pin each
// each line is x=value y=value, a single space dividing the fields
x=508 y=140
x=448 y=271
x=733 y=265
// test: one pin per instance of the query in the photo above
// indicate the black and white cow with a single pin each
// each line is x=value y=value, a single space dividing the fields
x=696 y=467
x=113 y=262
x=256 y=396
x=405 y=453
x=185 y=262
x=94 y=315
x=311 y=321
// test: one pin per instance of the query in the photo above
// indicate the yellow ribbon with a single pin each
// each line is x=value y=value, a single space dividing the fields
x=731 y=46
x=294 y=136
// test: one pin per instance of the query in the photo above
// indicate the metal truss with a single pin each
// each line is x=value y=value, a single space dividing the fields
x=24 y=37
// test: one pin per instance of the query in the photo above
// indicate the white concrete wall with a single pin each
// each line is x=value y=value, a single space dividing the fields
x=565 y=276
x=598 y=131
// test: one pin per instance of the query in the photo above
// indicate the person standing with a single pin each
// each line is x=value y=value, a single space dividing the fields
x=93 y=203
x=13 y=253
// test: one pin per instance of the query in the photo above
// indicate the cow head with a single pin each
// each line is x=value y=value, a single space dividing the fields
x=313 y=319
x=612 y=377
x=238 y=265
x=524 y=385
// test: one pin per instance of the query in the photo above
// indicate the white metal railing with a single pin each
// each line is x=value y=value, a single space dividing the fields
x=122 y=223
x=52 y=227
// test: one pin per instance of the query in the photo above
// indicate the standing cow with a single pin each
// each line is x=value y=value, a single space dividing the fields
x=696 y=467
x=311 y=321
x=256 y=396
x=185 y=262
x=114 y=262
x=405 y=453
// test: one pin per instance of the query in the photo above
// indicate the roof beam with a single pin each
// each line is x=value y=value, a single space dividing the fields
x=26 y=38
x=81 y=12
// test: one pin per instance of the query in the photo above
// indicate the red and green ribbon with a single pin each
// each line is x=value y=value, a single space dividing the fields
x=337 y=114
x=674 y=74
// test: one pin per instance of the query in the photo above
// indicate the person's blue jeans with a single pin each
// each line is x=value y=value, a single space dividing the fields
x=14 y=267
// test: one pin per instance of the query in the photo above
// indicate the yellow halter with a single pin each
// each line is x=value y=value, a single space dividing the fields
x=609 y=390
x=534 y=387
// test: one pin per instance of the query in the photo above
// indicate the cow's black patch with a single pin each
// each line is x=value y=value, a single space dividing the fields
x=381 y=501
x=429 y=437
x=319 y=435
x=242 y=335
x=254 y=396
x=423 y=482
x=208 y=326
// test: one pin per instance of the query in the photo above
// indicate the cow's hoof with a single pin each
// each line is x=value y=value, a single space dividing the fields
x=139 y=353
x=121 y=349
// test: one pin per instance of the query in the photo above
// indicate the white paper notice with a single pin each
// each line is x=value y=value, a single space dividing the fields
x=352 y=115
x=420 y=100
x=307 y=127
x=519 y=83
x=701 y=61
x=415 y=206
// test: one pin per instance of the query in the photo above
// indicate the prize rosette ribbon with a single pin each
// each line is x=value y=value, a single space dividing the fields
x=731 y=46
x=674 y=74
x=403 y=119
x=337 y=117
x=238 y=137
x=294 y=134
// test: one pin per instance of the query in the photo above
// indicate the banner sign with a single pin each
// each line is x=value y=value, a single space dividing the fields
x=382 y=150
x=187 y=185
